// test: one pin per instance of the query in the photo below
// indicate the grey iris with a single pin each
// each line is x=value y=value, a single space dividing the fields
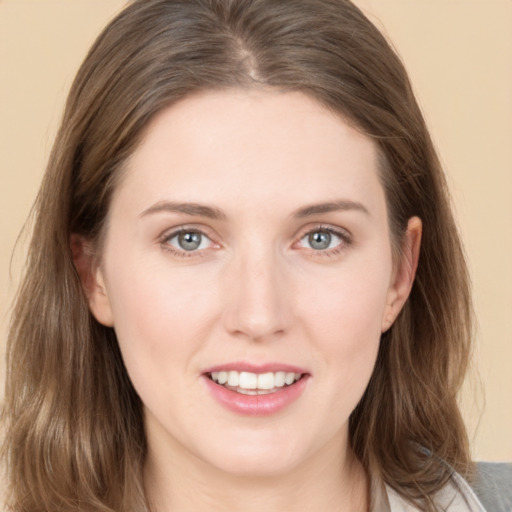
x=189 y=241
x=320 y=240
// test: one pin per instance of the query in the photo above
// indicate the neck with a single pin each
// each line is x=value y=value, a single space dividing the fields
x=332 y=481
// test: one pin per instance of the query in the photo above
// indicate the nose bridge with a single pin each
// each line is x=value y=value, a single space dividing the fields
x=259 y=307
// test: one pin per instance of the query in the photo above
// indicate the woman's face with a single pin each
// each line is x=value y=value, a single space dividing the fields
x=248 y=240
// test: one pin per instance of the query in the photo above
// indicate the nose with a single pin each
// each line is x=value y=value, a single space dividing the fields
x=259 y=304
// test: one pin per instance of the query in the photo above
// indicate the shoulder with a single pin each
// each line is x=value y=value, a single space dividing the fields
x=455 y=496
x=491 y=491
x=493 y=485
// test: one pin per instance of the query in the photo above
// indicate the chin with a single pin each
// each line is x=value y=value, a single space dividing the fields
x=251 y=459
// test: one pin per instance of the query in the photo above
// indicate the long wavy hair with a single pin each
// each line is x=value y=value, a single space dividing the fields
x=74 y=427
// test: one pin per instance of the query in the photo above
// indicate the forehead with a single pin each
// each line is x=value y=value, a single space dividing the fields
x=252 y=148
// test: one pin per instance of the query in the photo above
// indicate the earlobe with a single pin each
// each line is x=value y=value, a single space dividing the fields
x=404 y=274
x=92 y=279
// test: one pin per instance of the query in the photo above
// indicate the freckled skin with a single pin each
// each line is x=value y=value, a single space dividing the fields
x=256 y=289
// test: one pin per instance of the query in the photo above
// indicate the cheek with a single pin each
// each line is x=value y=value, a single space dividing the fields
x=348 y=331
x=347 y=304
x=344 y=316
x=156 y=316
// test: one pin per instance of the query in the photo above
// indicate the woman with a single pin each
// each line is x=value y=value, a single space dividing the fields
x=245 y=286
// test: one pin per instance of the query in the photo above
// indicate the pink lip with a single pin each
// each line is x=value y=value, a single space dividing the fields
x=256 y=405
x=254 y=368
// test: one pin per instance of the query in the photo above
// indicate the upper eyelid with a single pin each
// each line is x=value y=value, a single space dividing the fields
x=343 y=232
x=172 y=232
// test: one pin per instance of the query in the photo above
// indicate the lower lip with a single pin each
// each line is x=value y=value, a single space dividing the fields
x=257 y=405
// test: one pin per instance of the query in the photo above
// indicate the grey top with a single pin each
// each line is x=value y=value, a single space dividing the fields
x=493 y=486
x=491 y=492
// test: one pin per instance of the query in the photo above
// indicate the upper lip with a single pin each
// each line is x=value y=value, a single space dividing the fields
x=256 y=368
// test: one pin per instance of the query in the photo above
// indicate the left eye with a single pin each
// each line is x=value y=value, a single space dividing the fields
x=189 y=241
x=321 y=240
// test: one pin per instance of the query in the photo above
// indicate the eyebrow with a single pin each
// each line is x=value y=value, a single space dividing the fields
x=330 y=206
x=211 y=212
x=194 y=209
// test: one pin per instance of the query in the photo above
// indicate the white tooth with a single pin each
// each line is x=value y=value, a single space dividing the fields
x=279 y=379
x=215 y=376
x=233 y=379
x=245 y=391
x=248 y=380
x=289 y=378
x=222 y=377
x=266 y=381
x=297 y=376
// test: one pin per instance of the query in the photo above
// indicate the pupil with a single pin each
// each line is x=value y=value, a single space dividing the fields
x=320 y=240
x=189 y=241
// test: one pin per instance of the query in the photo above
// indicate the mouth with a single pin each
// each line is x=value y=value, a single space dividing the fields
x=256 y=390
x=249 y=383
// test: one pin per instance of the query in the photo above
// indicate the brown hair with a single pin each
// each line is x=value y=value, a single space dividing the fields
x=74 y=426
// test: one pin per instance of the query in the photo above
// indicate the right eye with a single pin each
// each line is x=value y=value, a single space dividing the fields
x=186 y=242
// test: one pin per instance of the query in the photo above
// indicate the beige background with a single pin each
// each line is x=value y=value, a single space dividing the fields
x=459 y=54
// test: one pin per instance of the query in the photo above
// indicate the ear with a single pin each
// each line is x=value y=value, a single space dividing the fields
x=404 y=273
x=91 y=278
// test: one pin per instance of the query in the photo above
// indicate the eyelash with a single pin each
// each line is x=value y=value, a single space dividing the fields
x=343 y=235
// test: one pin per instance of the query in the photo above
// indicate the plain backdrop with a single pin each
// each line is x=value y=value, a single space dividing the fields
x=459 y=56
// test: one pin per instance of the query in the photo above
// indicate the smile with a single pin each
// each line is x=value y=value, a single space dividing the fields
x=248 y=383
x=252 y=390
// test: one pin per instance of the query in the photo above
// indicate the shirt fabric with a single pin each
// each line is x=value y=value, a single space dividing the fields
x=455 y=496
